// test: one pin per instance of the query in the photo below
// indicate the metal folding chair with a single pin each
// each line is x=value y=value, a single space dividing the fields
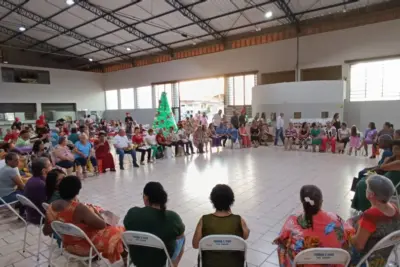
x=135 y=238
x=222 y=243
x=27 y=203
x=322 y=256
x=390 y=240
x=62 y=229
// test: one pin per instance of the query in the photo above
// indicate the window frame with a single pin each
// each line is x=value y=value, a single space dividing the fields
x=121 y=98
x=117 y=100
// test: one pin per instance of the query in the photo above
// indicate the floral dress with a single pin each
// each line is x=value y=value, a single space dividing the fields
x=329 y=230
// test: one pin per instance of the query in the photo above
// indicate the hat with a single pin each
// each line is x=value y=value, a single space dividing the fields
x=16 y=119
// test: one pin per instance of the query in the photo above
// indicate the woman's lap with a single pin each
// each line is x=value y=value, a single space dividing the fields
x=66 y=164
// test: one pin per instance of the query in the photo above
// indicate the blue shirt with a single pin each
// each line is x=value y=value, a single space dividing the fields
x=234 y=133
x=386 y=154
x=54 y=139
x=221 y=130
x=85 y=149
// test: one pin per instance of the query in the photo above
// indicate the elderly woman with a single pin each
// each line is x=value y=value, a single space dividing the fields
x=200 y=139
x=378 y=221
x=390 y=170
x=290 y=136
x=221 y=222
x=83 y=153
x=312 y=228
x=102 y=148
x=63 y=155
x=304 y=135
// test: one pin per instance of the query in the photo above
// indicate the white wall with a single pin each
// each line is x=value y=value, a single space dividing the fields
x=309 y=98
x=66 y=86
x=327 y=49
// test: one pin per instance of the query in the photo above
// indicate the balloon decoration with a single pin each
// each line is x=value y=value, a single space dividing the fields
x=164 y=118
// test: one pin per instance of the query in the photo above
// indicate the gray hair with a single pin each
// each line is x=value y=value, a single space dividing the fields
x=381 y=186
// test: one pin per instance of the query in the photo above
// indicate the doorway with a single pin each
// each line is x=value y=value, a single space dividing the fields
x=205 y=95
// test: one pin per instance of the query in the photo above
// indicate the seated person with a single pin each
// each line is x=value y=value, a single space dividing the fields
x=151 y=141
x=315 y=134
x=199 y=139
x=255 y=133
x=370 y=135
x=10 y=180
x=387 y=131
x=304 y=135
x=343 y=136
x=233 y=133
x=122 y=147
x=311 y=228
x=215 y=138
x=102 y=150
x=161 y=140
x=290 y=136
x=138 y=141
x=106 y=238
x=63 y=155
x=23 y=140
x=329 y=138
x=154 y=218
x=221 y=130
x=360 y=201
x=378 y=221
x=53 y=180
x=265 y=135
x=55 y=135
x=221 y=222
x=35 y=188
x=74 y=136
x=83 y=153
x=244 y=136
x=183 y=136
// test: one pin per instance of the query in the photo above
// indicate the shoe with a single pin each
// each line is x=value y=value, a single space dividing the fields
x=136 y=165
x=372 y=157
x=121 y=168
x=150 y=161
x=113 y=170
x=187 y=153
x=142 y=163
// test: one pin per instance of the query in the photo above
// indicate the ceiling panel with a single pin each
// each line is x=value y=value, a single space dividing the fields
x=169 y=37
x=62 y=41
x=142 y=44
x=45 y=8
x=114 y=38
x=90 y=30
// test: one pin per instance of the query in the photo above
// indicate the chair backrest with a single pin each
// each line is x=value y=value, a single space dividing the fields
x=322 y=256
x=222 y=242
x=45 y=206
x=26 y=202
x=392 y=239
x=136 y=238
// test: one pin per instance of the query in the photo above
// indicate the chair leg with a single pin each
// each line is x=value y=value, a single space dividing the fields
x=51 y=250
x=40 y=238
x=90 y=257
x=25 y=233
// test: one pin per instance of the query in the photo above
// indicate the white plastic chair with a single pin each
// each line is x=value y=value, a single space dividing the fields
x=45 y=206
x=396 y=198
x=27 y=203
x=222 y=242
x=135 y=238
x=62 y=229
x=392 y=239
x=322 y=256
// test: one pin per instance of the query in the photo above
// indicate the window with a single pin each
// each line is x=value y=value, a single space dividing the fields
x=144 y=97
x=240 y=89
x=112 y=99
x=324 y=114
x=159 y=88
x=14 y=75
x=127 y=98
x=297 y=115
x=375 y=81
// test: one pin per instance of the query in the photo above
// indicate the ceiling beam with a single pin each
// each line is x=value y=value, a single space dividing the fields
x=57 y=27
x=179 y=27
x=195 y=18
x=346 y=2
x=11 y=11
x=108 y=16
x=44 y=48
x=36 y=24
x=88 y=22
x=288 y=12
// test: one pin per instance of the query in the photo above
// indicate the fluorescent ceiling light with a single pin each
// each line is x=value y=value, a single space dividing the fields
x=90 y=59
x=22 y=29
x=268 y=14
x=128 y=49
x=70 y=2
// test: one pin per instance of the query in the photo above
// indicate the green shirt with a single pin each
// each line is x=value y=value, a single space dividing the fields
x=21 y=142
x=74 y=137
x=167 y=225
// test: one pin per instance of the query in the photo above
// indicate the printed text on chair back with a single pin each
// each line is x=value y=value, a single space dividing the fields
x=221 y=242
x=322 y=256
x=142 y=239
x=391 y=240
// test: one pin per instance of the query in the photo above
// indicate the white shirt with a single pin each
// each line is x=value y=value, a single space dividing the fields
x=279 y=122
x=121 y=141
x=217 y=119
x=151 y=140
x=181 y=134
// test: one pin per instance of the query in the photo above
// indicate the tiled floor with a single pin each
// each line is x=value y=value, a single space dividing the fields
x=266 y=182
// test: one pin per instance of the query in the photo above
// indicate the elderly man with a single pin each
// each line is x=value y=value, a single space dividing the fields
x=217 y=119
x=10 y=178
x=122 y=147
x=279 y=129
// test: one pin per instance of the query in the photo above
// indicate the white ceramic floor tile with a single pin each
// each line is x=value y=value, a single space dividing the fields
x=266 y=182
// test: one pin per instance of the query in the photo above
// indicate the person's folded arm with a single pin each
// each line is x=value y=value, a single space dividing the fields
x=360 y=239
x=246 y=230
x=18 y=181
x=89 y=217
x=391 y=166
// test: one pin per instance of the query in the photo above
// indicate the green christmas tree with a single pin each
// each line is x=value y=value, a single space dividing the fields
x=164 y=118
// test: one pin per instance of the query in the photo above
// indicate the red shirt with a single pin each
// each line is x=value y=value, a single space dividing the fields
x=137 y=139
x=160 y=138
x=371 y=217
x=11 y=136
